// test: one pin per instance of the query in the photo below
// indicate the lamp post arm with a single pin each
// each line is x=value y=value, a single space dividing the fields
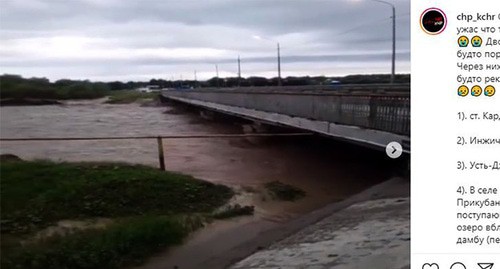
x=385 y=2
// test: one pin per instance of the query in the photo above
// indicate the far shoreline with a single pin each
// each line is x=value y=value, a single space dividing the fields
x=28 y=102
x=123 y=98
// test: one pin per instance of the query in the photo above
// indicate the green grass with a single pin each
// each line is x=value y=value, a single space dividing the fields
x=145 y=204
x=121 y=244
x=284 y=192
x=80 y=90
x=127 y=97
x=233 y=211
x=37 y=194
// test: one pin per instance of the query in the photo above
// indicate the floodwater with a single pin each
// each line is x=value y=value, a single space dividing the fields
x=328 y=171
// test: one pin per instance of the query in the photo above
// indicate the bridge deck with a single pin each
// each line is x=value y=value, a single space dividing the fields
x=372 y=115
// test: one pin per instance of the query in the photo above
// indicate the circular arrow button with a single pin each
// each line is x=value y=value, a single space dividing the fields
x=394 y=150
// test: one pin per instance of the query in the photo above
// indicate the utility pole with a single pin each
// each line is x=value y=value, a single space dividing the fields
x=393 y=71
x=217 y=75
x=279 y=56
x=239 y=71
x=393 y=67
x=279 y=65
x=195 y=79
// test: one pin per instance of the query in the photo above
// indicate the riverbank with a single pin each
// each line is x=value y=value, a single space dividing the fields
x=110 y=97
x=28 y=102
x=128 y=97
x=97 y=215
x=368 y=230
x=260 y=243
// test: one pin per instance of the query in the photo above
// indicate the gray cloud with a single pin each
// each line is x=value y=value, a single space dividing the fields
x=91 y=38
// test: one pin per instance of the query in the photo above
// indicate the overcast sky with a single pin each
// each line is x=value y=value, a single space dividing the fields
x=138 y=40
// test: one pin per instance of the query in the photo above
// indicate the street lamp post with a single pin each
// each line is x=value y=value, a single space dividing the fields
x=279 y=56
x=217 y=75
x=279 y=65
x=195 y=80
x=239 y=71
x=393 y=68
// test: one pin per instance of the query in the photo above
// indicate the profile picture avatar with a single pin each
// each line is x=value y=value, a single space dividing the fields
x=433 y=21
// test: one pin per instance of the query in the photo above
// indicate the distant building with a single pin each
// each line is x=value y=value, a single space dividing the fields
x=149 y=88
x=333 y=84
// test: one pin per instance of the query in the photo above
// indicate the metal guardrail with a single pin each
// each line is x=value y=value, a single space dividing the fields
x=388 y=111
x=401 y=88
x=159 y=139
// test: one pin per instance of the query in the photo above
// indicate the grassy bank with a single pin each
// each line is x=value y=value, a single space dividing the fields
x=149 y=210
x=284 y=192
x=18 y=88
x=127 y=97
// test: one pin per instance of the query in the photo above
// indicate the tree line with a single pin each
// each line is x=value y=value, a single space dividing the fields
x=15 y=86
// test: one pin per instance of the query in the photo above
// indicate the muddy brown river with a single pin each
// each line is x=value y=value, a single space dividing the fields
x=327 y=170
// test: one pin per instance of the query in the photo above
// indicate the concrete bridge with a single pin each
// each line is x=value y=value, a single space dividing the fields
x=370 y=115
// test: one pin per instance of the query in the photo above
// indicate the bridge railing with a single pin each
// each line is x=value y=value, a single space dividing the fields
x=385 y=111
x=340 y=88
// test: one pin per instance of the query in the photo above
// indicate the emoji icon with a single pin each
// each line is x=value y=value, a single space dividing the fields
x=463 y=41
x=463 y=90
x=485 y=265
x=458 y=265
x=489 y=91
x=476 y=91
x=430 y=266
x=476 y=41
